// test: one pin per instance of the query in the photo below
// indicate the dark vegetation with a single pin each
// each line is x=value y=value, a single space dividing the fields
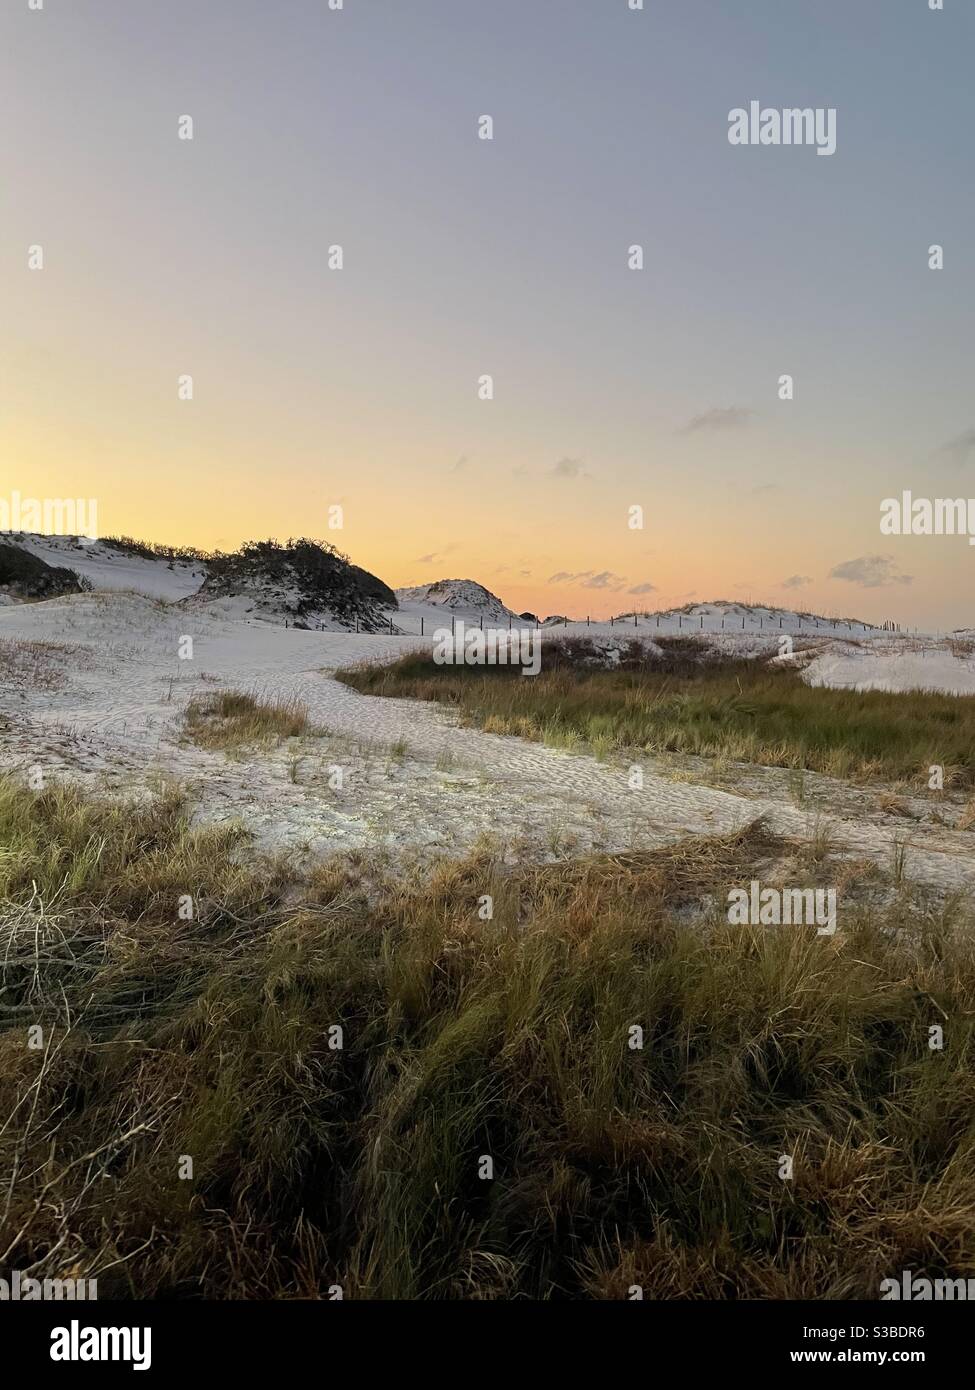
x=358 y=1166
x=312 y=576
x=25 y=576
x=374 y=588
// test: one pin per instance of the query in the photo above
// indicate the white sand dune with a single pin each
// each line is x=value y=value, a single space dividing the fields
x=114 y=718
x=112 y=569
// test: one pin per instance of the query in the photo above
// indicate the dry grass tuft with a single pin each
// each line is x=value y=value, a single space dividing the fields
x=231 y=718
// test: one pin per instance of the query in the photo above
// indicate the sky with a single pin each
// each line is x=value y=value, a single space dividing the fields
x=613 y=388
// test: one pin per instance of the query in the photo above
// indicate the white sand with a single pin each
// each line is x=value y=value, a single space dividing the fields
x=117 y=721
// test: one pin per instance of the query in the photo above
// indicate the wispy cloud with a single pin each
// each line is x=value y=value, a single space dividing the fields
x=459 y=464
x=646 y=588
x=606 y=579
x=719 y=418
x=589 y=579
x=435 y=556
x=569 y=468
x=799 y=581
x=871 y=572
x=961 y=448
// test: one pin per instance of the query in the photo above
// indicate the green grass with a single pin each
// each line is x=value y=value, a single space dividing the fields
x=209 y=1037
x=746 y=711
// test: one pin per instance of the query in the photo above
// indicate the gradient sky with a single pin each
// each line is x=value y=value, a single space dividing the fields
x=462 y=257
